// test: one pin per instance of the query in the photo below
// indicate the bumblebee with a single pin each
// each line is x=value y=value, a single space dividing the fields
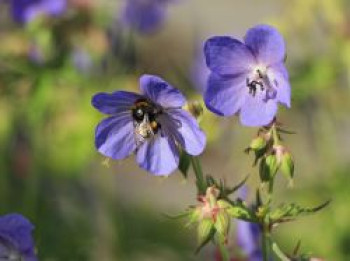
x=145 y=122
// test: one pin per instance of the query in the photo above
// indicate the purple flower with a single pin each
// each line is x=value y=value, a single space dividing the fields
x=82 y=60
x=199 y=72
x=16 y=242
x=248 y=238
x=24 y=11
x=247 y=78
x=151 y=124
x=144 y=16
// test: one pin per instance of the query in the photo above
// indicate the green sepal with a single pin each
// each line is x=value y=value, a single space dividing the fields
x=224 y=191
x=287 y=165
x=205 y=232
x=222 y=223
x=194 y=216
x=268 y=168
x=259 y=154
x=178 y=216
x=184 y=164
x=257 y=143
x=291 y=211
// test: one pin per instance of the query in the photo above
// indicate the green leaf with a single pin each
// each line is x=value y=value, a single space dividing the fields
x=285 y=131
x=291 y=211
x=241 y=211
x=185 y=163
x=229 y=191
x=279 y=252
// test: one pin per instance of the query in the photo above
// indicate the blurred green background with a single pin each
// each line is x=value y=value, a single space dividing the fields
x=87 y=208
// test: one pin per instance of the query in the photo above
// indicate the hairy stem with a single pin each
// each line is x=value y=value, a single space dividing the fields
x=200 y=181
x=266 y=243
x=223 y=252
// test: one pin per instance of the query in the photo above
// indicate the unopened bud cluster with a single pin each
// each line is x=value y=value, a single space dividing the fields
x=211 y=216
x=271 y=155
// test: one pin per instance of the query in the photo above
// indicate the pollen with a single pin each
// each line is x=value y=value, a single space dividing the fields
x=154 y=125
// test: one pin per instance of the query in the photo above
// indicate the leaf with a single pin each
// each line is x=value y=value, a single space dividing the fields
x=228 y=191
x=185 y=163
x=285 y=131
x=279 y=252
x=297 y=248
x=241 y=211
x=291 y=211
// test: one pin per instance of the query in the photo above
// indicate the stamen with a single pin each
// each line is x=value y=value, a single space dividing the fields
x=253 y=86
x=260 y=79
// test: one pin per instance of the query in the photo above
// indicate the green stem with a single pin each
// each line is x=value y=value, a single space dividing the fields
x=276 y=142
x=270 y=189
x=279 y=252
x=276 y=139
x=225 y=256
x=266 y=243
x=200 y=182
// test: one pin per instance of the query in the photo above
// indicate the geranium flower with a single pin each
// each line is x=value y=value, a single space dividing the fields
x=24 y=11
x=248 y=238
x=151 y=124
x=247 y=78
x=144 y=16
x=16 y=242
x=199 y=71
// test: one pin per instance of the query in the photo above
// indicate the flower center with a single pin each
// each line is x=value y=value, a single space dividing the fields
x=145 y=115
x=8 y=251
x=259 y=81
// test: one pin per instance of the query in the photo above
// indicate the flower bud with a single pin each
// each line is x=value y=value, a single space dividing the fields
x=195 y=108
x=222 y=223
x=257 y=143
x=268 y=167
x=285 y=161
x=287 y=165
x=204 y=230
x=211 y=215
